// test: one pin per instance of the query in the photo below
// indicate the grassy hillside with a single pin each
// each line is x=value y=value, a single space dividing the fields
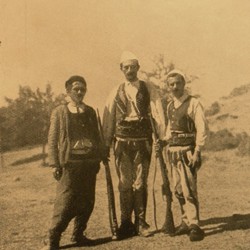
x=233 y=112
x=27 y=195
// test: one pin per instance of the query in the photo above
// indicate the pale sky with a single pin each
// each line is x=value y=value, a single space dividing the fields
x=48 y=41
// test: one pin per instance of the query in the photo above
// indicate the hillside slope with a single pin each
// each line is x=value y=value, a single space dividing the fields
x=234 y=112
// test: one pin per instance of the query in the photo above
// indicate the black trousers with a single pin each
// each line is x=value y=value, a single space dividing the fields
x=75 y=197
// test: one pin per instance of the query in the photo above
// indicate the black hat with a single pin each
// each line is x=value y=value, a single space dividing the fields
x=75 y=79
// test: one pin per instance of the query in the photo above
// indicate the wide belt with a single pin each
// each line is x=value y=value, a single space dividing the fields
x=181 y=135
x=132 y=139
x=181 y=139
x=133 y=129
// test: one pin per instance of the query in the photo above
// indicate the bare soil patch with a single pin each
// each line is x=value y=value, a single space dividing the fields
x=27 y=194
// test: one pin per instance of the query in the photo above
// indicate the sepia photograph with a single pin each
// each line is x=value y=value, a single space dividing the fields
x=124 y=124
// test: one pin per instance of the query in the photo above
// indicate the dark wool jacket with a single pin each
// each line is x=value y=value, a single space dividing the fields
x=58 y=138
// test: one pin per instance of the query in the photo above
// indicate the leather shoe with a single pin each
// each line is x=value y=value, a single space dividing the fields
x=126 y=230
x=144 y=229
x=196 y=233
x=81 y=240
x=182 y=229
x=52 y=243
x=168 y=229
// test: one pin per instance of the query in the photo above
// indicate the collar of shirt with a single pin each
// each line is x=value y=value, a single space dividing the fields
x=134 y=84
x=73 y=107
x=179 y=101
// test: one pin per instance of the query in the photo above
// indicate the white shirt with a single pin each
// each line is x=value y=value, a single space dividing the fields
x=109 y=118
x=76 y=108
x=131 y=90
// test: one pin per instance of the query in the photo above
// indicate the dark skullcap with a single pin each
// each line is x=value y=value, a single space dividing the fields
x=73 y=79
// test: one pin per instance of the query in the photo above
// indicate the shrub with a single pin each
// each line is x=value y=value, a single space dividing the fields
x=220 y=140
x=240 y=90
x=244 y=146
x=222 y=117
x=213 y=109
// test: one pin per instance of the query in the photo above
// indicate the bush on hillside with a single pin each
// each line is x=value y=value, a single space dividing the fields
x=244 y=146
x=213 y=109
x=221 y=140
x=222 y=117
x=237 y=91
x=240 y=90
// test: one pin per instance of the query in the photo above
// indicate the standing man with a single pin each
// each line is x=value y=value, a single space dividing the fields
x=126 y=124
x=185 y=136
x=74 y=154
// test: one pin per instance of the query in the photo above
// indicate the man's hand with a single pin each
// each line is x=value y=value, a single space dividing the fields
x=158 y=146
x=195 y=161
x=57 y=172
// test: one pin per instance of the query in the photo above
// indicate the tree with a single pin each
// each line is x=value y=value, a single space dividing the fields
x=25 y=120
x=47 y=102
x=158 y=75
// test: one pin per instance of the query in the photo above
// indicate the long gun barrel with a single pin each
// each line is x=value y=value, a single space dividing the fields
x=110 y=190
x=168 y=226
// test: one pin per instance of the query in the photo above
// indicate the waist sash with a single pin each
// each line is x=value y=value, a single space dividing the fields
x=133 y=129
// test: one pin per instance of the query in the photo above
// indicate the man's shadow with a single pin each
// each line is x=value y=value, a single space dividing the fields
x=220 y=224
x=94 y=242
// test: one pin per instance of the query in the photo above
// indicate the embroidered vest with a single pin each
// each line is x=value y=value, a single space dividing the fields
x=142 y=99
x=179 y=119
x=133 y=129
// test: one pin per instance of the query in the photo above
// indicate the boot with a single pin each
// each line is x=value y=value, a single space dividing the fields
x=126 y=230
x=142 y=227
x=126 y=204
x=53 y=242
x=196 y=233
x=182 y=229
x=78 y=236
x=81 y=240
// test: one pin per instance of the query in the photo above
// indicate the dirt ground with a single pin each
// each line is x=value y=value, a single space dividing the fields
x=27 y=194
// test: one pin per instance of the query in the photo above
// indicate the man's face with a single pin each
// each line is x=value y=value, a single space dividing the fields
x=130 y=69
x=77 y=92
x=176 y=86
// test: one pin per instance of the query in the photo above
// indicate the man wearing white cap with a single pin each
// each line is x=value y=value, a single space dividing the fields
x=185 y=137
x=126 y=123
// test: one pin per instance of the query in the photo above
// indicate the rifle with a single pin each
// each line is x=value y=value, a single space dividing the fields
x=110 y=190
x=168 y=226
